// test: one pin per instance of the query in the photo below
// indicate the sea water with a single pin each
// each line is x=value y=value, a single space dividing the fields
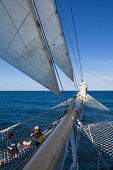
x=16 y=106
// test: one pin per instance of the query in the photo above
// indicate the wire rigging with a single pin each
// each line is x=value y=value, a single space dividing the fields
x=76 y=40
x=70 y=41
x=49 y=51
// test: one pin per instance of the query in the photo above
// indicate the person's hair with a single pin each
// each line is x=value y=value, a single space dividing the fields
x=36 y=127
x=10 y=135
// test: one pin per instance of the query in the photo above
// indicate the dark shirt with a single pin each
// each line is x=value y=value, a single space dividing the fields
x=38 y=134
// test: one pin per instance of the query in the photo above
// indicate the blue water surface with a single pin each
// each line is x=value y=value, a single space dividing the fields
x=16 y=106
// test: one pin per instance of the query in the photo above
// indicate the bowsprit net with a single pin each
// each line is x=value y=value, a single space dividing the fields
x=96 y=139
x=22 y=131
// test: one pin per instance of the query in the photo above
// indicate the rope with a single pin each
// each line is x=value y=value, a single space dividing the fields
x=96 y=137
x=48 y=48
x=75 y=81
x=73 y=148
x=76 y=40
x=97 y=150
x=69 y=37
x=100 y=104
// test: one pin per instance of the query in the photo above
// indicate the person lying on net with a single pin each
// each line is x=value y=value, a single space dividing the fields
x=12 y=146
x=38 y=137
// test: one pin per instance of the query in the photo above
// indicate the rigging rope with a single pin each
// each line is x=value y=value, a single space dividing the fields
x=49 y=50
x=73 y=148
x=71 y=83
x=76 y=40
x=69 y=37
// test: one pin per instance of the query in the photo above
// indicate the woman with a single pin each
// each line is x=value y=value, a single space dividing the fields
x=38 y=137
x=11 y=145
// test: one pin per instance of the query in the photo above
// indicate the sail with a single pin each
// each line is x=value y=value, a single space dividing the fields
x=20 y=43
x=53 y=31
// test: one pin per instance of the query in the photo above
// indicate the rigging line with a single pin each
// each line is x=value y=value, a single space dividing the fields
x=44 y=36
x=100 y=104
x=69 y=37
x=68 y=50
x=61 y=85
x=76 y=39
x=75 y=81
x=48 y=48
x=61 y=100
x=73 y=85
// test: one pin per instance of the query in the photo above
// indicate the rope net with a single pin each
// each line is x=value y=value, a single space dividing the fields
x=92 y=146
x=22 y=131
x=96 y=139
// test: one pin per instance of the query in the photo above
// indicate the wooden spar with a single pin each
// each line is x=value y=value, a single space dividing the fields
x=49 y=153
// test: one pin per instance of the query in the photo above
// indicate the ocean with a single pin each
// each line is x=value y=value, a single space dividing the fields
x=17 y=106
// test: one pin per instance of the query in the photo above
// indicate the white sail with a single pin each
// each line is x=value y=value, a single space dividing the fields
x=20 y=43
x=53 y=31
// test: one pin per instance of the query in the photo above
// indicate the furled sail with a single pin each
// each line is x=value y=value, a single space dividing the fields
x=53 y=31
x=20 y=43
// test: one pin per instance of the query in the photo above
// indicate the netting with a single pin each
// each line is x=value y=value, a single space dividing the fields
x=91 y=145
x=96 y=139
x=22 y=131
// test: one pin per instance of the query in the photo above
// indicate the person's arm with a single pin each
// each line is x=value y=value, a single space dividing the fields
x=27 y=143
x=33 y=134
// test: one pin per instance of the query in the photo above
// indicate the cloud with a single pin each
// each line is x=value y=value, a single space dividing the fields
x=99 y=82
x=106 y=63
x=99 y=78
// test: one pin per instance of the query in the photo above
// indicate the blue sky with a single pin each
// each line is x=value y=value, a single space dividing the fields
x=94 y=27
